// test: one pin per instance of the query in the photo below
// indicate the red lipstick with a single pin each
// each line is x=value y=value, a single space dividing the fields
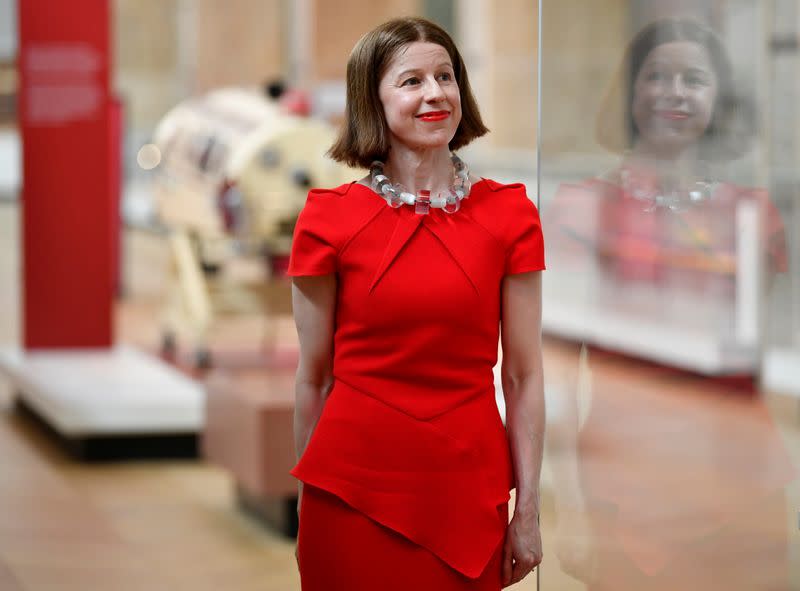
x=434 y=116
x=674 y=115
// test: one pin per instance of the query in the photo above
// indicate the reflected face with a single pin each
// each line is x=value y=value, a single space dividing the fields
x=420 y=96
x=673 y=97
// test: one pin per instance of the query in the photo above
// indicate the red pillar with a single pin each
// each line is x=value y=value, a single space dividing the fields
x=69 y=206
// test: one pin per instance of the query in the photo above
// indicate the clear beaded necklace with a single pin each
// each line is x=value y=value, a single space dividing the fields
x=397 y=195
x=647 y=189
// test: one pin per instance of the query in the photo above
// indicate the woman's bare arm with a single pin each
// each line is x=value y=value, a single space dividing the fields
x=314 y=306
x=523 y=389
x=523 y=382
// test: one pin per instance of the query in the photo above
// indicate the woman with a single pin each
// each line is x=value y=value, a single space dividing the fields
x=401 y=283
x=664 y=215
x=682 y=486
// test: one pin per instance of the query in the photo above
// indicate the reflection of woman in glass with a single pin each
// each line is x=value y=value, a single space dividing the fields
x=677 y=486
x=662 y=217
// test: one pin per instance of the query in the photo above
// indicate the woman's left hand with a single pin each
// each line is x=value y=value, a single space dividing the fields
x=523 y=548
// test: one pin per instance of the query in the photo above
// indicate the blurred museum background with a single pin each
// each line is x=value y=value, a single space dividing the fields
x=154 y=156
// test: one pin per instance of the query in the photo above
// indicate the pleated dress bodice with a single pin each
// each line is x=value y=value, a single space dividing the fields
x=410 y=434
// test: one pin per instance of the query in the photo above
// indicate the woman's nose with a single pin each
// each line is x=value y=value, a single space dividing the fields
x=433 y=91
x=676 y=87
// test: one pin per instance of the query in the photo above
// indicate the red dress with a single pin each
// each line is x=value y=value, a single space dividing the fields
x=631 y=243
x=409 y=467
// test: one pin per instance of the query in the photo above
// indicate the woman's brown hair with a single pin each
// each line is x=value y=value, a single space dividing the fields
x=732 y=125
x=364 y=136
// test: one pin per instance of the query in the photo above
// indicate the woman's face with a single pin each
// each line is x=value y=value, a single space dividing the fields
x=673 y=97
x=420 y=96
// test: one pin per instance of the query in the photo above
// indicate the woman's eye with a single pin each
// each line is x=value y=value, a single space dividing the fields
x=655 y=76
x=410 y=81
x=447 y=77
x=695 y=80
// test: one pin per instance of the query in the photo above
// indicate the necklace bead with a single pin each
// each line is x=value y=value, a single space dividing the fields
x=397 y=195
x=647 y=189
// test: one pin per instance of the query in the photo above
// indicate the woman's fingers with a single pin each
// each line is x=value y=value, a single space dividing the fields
x=522 y=552
x=521 y=570
x=524 y=563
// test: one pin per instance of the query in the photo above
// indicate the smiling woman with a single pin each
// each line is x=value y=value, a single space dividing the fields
x=674 y=95
x=401 y=449
x=365 y=136
x=420 y=98
x=677 y=72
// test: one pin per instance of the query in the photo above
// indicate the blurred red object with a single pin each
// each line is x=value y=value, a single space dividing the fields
x=296 y=102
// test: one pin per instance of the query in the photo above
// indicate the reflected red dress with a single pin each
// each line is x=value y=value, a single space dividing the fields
x=408 y=471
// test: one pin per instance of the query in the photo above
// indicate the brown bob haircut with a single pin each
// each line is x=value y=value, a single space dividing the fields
x=364 y=136
x=732 y=126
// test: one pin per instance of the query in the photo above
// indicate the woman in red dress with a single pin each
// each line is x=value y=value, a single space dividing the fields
x=401 y=286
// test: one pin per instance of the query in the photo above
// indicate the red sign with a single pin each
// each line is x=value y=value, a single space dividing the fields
x=69 y=160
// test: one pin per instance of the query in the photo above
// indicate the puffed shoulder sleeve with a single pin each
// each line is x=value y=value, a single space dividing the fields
x=314 y=245
x=525 y=241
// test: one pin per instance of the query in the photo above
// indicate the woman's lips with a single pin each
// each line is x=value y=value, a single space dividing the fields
x=434 y=116
x=673 y=115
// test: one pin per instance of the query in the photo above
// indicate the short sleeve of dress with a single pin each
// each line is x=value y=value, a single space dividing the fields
x=525 y=246
x=314 y=245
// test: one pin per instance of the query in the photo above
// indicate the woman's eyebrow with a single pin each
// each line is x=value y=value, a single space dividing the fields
x=664 y=64
x=408 y=71
x=418 y=70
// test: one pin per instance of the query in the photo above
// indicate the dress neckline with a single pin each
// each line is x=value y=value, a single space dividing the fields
x=481 y=182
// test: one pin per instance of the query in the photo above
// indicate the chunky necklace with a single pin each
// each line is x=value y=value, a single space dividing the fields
x=397 y=195
x=646 y=188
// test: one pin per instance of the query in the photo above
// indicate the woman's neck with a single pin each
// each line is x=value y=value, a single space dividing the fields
x=678 y=167
x=417 y=170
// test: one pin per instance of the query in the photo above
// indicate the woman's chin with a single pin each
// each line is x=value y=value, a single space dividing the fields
x=426 y=141
x=433 y=143
x=671 y=145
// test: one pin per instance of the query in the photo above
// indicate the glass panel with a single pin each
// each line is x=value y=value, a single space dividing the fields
x=669 y=149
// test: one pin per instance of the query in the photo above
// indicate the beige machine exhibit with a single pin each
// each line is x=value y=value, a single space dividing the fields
x=235 y=171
